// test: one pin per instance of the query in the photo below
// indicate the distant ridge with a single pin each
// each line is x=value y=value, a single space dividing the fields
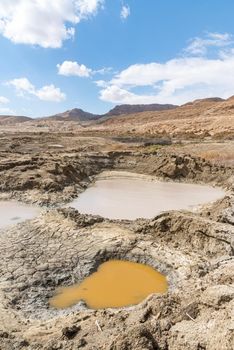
x=130 y=109
x=202 y=118
x=204 y=100
x=78 y=114
x=75 y=114
x=13 y=119
x=140 y=113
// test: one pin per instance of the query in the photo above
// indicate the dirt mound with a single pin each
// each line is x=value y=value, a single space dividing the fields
x=43 y=178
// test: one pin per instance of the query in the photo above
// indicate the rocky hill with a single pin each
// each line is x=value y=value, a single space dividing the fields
x=13 y=119
x=203 y=118
x=79 y=115
x=129 y=109
x=75 y=114
x=211 y=117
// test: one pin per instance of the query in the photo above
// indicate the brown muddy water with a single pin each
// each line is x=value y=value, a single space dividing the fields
x=119 y=195
x=12 y=212
x=116 y=284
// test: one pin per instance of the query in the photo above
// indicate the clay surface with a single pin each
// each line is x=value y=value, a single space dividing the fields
x=61 y=247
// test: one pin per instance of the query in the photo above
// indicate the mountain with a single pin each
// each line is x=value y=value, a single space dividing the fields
x=210 y=117
x=13 y=119
x=75 y=114
x=79 y=115
x=210 y=100
x=225 y=108
x=203 y=118
x=130 y=109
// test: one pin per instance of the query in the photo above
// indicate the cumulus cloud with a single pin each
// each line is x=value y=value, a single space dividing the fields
x=73 y=68
x=115 y=94
x=22 y=85
x=43 y=22
x=69 y=68
x=50 y=93
x=178 y=80
x=4 y=100
x=125 y=12
x=46 y=93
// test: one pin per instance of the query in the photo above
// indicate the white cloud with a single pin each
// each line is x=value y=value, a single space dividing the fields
x=4 y=100
x=177 y=81
x=50 y=93
x=125 y=12
x=69 y=68
x=200 y=46
x=46 y=93
x=73 y=68
x=103 y=71
x=115 y=94
x=43 y=22
x=22 y=85
x=101 y=83
x=7 y=111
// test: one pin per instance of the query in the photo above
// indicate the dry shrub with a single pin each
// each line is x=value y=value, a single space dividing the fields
x=225 y=157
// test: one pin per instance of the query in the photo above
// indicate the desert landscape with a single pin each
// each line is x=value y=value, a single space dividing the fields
x=48 y=163
x=116 y=175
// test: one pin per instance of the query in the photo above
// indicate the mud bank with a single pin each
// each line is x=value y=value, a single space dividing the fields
x=62 y=247
x=53 y=179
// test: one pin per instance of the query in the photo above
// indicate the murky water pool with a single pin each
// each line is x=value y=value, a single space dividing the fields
x=131 y=196
x=13 y=212
x=115 y=284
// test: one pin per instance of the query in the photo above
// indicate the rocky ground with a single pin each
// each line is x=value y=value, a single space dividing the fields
x=61 y=247
x=205 y=119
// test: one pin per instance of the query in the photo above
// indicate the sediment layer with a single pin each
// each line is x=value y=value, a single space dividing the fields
x=61 y=247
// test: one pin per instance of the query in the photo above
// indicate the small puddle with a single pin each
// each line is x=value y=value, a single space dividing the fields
x=12 y=212
x=133 y=196
x=116 y=284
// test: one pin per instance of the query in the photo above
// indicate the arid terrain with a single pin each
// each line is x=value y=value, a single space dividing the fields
x=50 y=162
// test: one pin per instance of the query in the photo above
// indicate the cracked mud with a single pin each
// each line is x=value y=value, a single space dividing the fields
x=61 y=247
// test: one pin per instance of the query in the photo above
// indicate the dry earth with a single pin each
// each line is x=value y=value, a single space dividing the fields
x=208 y=118
x=61 y=247
x=211 y=118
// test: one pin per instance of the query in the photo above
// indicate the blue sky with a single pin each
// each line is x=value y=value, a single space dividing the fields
x=94 y=54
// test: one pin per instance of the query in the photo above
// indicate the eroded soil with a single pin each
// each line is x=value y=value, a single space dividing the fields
x=61 y=247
